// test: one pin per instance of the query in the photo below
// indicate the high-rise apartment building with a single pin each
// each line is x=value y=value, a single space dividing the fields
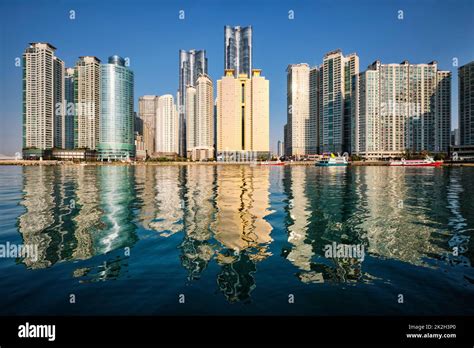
x=192 y=64
x=242 y=115
x=238 y=49
x=116 y=111
x=87 y=100
x=43 y=95
x=167 y=126
x=302 y=112
x=466 y=104
x=147 y=111
x=402 y=107
x=200 y=119
x=339 y=104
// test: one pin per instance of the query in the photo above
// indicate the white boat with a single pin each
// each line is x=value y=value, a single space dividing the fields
x=333 y=161
x=427 y=162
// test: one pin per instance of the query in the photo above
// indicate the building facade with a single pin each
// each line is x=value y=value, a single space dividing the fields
x=167 y=125
x=87 y=101
x=147 y=111
x=242 y=116
x=302 y=110
x=192 y=64
x=466 y=104
x=200 y=119
x=280 y=148
x=238 y=49
x=70 y=108
x=402 y=107
x=339 y=104
x=116 y=111
x=43 y=96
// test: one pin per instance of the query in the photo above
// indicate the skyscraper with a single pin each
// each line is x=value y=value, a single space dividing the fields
x=116 y=111
x=147 y=111
x=43 y=95
x=302 y=110
x=242 y=115
x=192 y=63
x=280 y=148
x=466 y=104
x=403 y=107
x=59 y=104
x=200 y=120
x=238 y=49
x=166 y=142
x=339 y=104
x=70 y=108
x=87 y=100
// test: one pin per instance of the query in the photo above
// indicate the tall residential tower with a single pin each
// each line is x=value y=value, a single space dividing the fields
x=339 y=104
x=403 y=107
x=466 y=104
x=43 y=97
x=87 y=100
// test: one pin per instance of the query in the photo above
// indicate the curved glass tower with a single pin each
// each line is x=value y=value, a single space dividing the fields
x=238 y=49
x=116 y=111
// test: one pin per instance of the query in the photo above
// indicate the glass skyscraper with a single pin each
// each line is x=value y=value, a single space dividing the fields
x=192 y=63
x=238 y=49
x=116 y=111
x=70 y=108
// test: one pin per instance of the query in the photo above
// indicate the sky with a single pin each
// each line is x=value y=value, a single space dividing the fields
x=150 y=34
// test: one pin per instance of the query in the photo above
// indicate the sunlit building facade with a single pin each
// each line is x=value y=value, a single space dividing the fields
x=43 y=96
x=402 y=107
x=87 y=100
x=242 y=116
x=167 y=126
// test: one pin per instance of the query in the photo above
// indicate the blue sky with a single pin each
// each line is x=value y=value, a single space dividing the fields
x=150 y=33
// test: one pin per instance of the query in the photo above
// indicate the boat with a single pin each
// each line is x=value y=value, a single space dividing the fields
x=427 y=162
x=333 y=161
x=272 y=163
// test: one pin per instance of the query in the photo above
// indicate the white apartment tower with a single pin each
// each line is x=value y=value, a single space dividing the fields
x=403 y=107
x=339 y=102
x=167 y=126
x=302 y=109
x=43 y=100
x=200 y=119
x=87 y=100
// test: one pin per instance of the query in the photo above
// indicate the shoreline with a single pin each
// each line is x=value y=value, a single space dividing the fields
x=27 y=163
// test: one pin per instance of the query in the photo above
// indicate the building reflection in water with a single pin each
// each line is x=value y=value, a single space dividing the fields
x=168 y=201
x=221 y=212
x=243 y=202
x=75 y=213
x=199 y=196
x=322 y=208
x=218 y=214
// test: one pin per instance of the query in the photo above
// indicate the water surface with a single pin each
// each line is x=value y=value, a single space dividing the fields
x=237 y=240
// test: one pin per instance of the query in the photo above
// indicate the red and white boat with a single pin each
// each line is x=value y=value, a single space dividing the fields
x=427 y=162
x=272 y=163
